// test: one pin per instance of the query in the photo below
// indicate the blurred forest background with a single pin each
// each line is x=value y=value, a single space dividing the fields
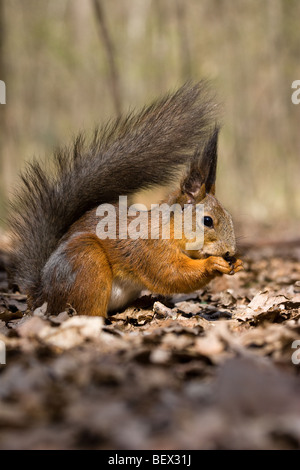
x=70 y=64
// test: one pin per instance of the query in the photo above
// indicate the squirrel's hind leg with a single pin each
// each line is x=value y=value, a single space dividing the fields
x=78 y=274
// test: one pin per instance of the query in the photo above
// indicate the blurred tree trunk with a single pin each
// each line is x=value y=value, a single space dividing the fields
x=2 y=60
x=110 y=53
x=280 y=102
x=4 y=162
x=185 y=56
x=161 y=20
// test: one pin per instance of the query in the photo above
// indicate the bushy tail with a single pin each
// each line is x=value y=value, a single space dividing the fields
x=124 y=156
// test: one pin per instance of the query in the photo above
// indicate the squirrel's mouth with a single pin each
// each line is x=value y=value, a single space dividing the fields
x=198 y=254
x=226 y=256
x=229 y=258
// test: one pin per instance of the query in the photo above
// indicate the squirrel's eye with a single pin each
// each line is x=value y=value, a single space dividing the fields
x=208 y=221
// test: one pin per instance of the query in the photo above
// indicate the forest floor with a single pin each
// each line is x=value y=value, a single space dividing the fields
x=217 y=369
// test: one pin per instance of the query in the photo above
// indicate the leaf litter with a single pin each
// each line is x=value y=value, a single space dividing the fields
x=216 y=369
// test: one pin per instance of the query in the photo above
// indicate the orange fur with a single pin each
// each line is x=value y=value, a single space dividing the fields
x=162 y=266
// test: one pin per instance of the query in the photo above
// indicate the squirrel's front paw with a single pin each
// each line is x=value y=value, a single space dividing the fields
x=236 y=266
x=217 y=265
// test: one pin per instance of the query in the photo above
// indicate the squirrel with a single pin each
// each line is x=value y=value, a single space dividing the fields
x=56 y=255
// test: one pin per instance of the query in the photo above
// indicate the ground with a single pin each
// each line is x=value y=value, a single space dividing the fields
x=217 y=369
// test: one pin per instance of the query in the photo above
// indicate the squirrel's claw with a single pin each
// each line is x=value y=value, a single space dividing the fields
x=217 y=265
x=237 y=266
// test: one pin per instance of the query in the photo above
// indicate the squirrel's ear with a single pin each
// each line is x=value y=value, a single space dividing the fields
x=209 y=160
x=213 y=189
x=201 y=176
x=193 y=185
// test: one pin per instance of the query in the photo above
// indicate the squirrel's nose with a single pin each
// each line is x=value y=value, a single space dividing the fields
x=230 y=249
x=229 y=254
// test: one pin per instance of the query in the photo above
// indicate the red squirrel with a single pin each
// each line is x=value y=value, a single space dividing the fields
x=56 y=255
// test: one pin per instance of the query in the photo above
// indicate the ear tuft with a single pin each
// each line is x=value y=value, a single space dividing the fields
x=209 y=160
x=201 y=176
